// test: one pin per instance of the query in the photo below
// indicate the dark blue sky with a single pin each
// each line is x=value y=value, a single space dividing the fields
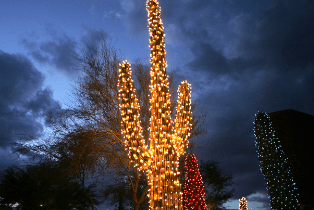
x=240 y=57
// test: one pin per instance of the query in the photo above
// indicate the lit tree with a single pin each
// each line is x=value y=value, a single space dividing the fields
x=194 y=191
x=243 y=204
x=168 y=140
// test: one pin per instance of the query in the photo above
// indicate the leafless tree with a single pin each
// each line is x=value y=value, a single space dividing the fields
x=87 y=136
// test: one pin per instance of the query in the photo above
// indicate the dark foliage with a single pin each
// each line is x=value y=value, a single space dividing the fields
x=41 y=186
x=121 y=194
x=217 y=185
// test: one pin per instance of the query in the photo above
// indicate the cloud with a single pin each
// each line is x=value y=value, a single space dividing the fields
x=208 y=58
x=92 y=37
x=127 y=6
x=19 y=78
x=288 y=38
x=62 y=52
x=135 y=15
x=266 y=42
x=23 y=101
x=257 y=200
x=42 y=103
x=281 y=35
x=112 y=15
x=225 y=38
x=59 y=52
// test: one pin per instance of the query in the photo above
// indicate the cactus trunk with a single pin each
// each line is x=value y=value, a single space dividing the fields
x=168 y=140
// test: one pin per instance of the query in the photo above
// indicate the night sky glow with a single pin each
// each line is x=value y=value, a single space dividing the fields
x=240 y=57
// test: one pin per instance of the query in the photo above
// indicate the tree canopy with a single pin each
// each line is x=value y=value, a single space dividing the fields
x=87 y=137
x=218 y=186
x=42 y=186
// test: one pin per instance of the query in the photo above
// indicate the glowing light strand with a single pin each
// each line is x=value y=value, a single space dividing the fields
x=131 y=129
x=168 y=140
x=274 y=165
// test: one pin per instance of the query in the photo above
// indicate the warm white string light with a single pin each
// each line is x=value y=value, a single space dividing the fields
x=167 y=141
x=243 y=204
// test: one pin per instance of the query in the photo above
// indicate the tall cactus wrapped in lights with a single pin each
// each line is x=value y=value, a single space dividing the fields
x=168 y=140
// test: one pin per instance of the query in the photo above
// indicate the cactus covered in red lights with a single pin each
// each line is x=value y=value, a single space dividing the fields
x=168 y=139
x=194 y=192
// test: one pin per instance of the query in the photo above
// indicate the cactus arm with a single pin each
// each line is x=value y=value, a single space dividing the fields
x=183 y=125
x=131 y=125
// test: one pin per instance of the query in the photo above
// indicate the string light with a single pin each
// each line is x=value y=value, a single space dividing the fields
x=194 y=192
x=274 y=165
x=243 y=204
x=168 y=140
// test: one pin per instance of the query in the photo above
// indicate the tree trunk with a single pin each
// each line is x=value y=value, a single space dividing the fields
x=136 y=204
x=89 y=197
x=121 y=199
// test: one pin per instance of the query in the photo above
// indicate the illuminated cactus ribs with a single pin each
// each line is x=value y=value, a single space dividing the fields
x=168 y=140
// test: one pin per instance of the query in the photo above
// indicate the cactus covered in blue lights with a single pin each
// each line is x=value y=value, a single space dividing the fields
x=274 y=165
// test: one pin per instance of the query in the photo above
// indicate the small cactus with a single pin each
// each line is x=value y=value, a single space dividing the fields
x=243 y=204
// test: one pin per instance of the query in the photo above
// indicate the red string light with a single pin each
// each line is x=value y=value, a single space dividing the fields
x=194 y=191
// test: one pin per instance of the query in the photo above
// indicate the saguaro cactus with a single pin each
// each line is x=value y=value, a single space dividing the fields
x=168 y=140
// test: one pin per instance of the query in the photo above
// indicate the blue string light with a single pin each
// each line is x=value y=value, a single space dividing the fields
x=274 y=165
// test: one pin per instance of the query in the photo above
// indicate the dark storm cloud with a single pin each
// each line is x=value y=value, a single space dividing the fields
x=217 y=62
x=278 y=39
x=42 y=103
x=60 y=52
x=288 y=34
x=230 y=140
x=282 y=36
x=92 y=38
x=19 y=79
x=227 y=38
x=22 y=99
x=135 y=15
